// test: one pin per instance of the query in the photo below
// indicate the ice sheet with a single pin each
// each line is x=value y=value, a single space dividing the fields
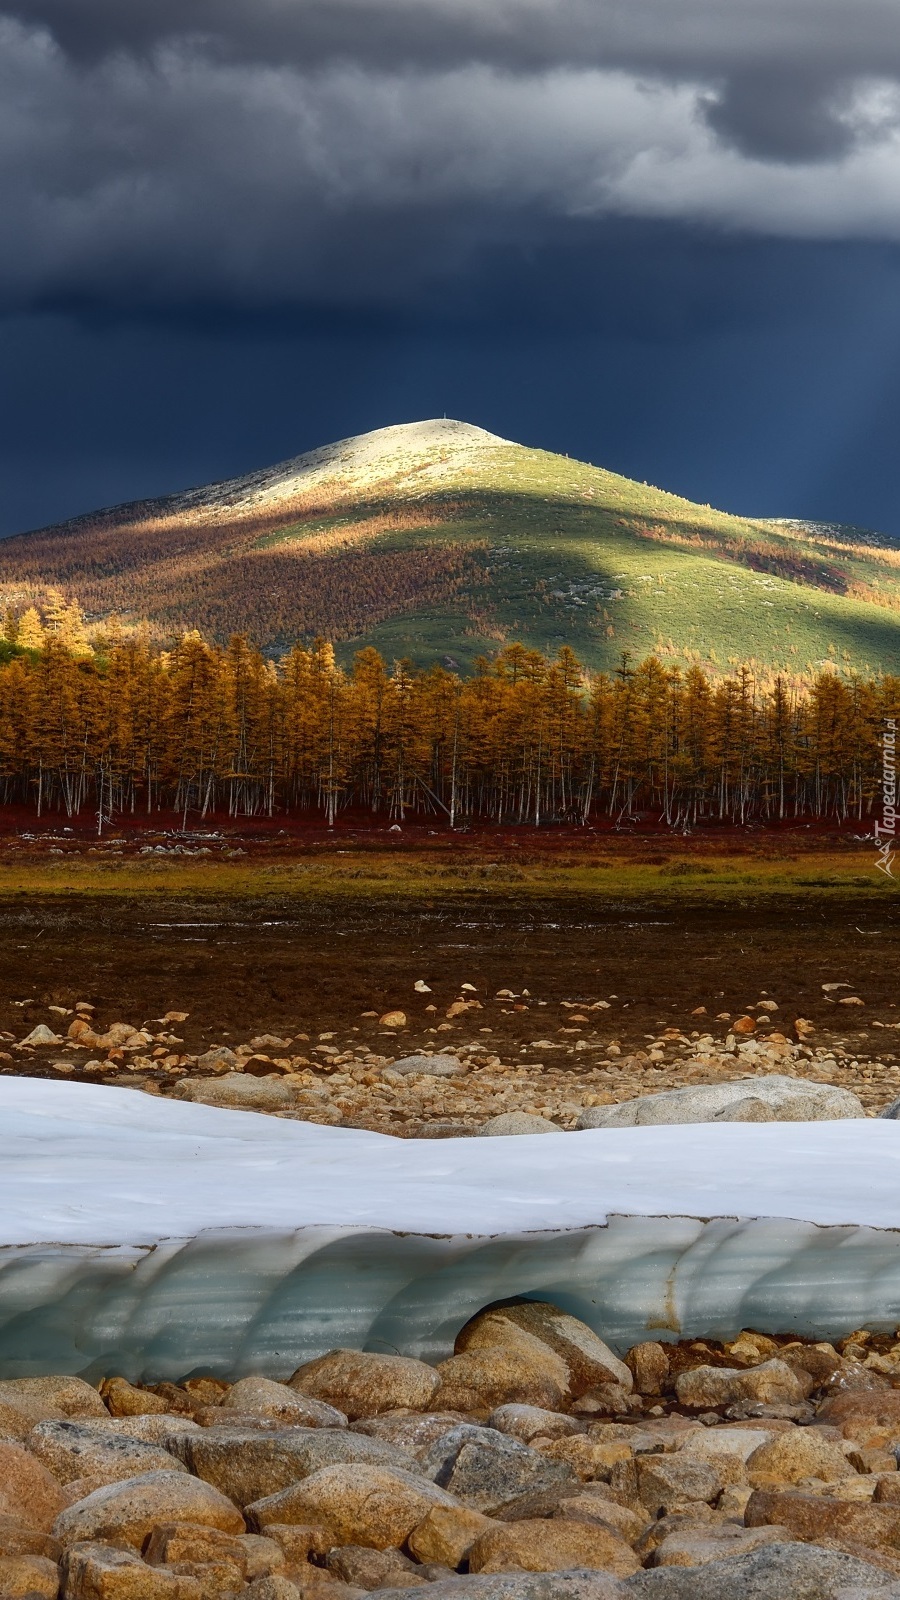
x=154 y=1237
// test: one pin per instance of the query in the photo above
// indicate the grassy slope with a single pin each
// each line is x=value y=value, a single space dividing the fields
x=567 y=564
x=534 y=547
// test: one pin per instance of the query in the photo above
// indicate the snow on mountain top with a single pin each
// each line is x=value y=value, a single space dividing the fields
x=91 y=1164
x=426 y=449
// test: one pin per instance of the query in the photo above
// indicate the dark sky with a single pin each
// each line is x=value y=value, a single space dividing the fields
x=662 y=235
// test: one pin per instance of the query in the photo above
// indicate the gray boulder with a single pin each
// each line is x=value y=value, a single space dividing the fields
x=247 y=1465
x=776 y=1572
x=892 y=1112
x=774 y=1098
x=575 y=1585
x=238 y=1092
x=510 y=1122
x=435 y=1066
x=488 y=1470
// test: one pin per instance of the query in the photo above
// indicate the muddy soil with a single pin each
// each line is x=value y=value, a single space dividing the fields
x=282 y=965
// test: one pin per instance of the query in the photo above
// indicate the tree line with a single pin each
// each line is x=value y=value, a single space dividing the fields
x=200 y=729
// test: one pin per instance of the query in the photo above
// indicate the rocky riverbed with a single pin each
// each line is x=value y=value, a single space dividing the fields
x=532 y=1464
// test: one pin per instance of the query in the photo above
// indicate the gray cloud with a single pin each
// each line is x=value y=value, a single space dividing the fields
x=270 y=151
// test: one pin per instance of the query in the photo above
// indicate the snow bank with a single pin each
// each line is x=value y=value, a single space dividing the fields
x=153 y=1238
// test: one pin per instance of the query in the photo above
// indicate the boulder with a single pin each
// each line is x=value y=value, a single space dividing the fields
x=664 y=1482
x=726 y=1449
x=76 y=1450
x=41 y=1035
x=649 y=1367
x=21 y=1539
x=46 y=1399
x=863 y=1413
x=28 y=1578
x=588 y=1360
x=509 y=1123
x=127 y=1513
x=447 y=1534
x=360 y=1504
x=153 y=1428
x=771 y=1383
x=533 y=1422
x=366 y=1568
x=554 y=1546
x=219 y=1059
x=434 y=1066
x=238 y=1092
x=262 y=1397
x=796 y=1454
x=362 y=1383
x=412 y=1431
x=594 y=1504
x=28 y=1492
x=122 y=1399
x=247 y=1465
x=582 y=1584
x=502 y=1363
x=278 y=1587
x=697 y=1549
x=789 y=1099
x=589 y=1458
x=93 y=1571
x=775 y=1572
x=824 y=1519
x=490 y=1470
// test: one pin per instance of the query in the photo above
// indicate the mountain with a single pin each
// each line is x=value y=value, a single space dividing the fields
x=438 y=540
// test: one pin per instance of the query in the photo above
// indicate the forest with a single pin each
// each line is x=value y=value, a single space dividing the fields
x=122 y=727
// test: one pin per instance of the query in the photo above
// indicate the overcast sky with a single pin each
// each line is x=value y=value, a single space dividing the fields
x=660 y=234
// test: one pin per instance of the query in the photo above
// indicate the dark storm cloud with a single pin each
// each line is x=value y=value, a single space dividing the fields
x=275 y=152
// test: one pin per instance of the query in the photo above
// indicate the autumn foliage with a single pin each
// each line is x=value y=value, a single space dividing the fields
x=204 y=728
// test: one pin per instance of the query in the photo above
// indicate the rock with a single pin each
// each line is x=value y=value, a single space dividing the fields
x=76 y=1450
x=154 y=1428
x=262 y=1397
x=774 y=1572
x=393 y=1019
x=517 y=1367
x=362 y=1383
x=93 y=1571
x=515 y=1122
x=173 y=1544
x=434 y=1066
x=791 y=1100
x=219 y=1059
x=128 y=1512
x=554 y=1546
x=771 y=1383
x=238 y=1092
x=667 y=1481
x=863 y=1414
x=20 y=1539
x=576 y=1585
x=48 y=1399
x=412 y=1431
x=447 y=1534
x=590 y=1459
x=594 y=1505
x=533 y=1422
x=489 y=1470
x=122 y=1399
x=360 y=1504
x=726 y=1449
x=588 y=1360
x=825 y=1519
x=250 y=1465
x=41 y=1035
x=366 y=1568
x=649 y=1367
x=28 y=1578
x=800 y=1453
x=726 y=1539
x=276 y=1587
x=28 y=1492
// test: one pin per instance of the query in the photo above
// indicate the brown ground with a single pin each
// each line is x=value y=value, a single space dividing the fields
x=280 y=965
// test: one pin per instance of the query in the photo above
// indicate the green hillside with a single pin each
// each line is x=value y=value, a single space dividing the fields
x=438 y=541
